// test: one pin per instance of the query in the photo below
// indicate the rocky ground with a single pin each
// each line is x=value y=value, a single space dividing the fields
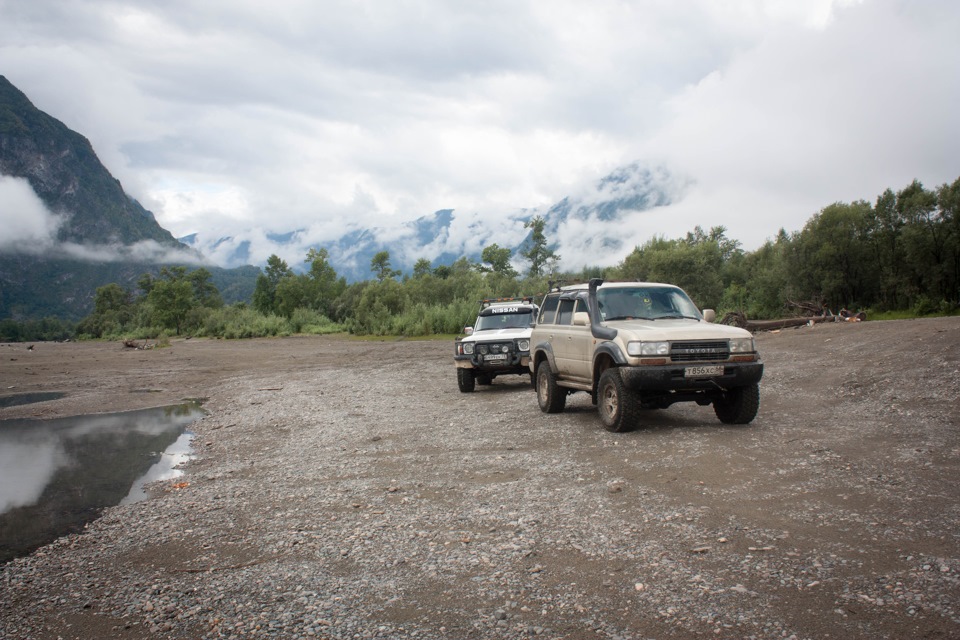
x=347 y=489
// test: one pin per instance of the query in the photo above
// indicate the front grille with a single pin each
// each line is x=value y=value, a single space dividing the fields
x=497 y=347
x=714 y=350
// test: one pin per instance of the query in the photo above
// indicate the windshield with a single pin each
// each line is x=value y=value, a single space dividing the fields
x=648 y=303
x=504 y=321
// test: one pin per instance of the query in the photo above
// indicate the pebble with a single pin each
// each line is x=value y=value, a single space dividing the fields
x=375 y=510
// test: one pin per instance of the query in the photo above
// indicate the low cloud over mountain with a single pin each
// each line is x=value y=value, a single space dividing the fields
x=598 y=225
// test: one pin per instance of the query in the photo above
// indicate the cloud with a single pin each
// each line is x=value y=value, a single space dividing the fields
x=145 y=251
x=28 y=226
x=810 y=117
x=234 y=119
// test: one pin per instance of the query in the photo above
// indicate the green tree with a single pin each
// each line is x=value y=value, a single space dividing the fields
x=948 y=201
x=925 y=240
x=831 y=260
x=694 y=264
x=112 y=298
x=498 y=259
x=764 y=281
x=322 y=286
x=145 y=283
x=379 y=303
x=380 y=265
x=265 y=290
x=537 y=251
x=178 y=298
x=886 y=249
x=171 y=300
x=205 y=293
x=291 y=294
x=422 y=268
x=113 y=310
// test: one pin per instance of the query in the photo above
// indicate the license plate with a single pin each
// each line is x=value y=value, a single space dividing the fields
x=703 y=372
x=495 y=356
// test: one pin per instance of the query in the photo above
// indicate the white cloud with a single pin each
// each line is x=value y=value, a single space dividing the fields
x=241 y=119
x=28 y=226
x=148 y=251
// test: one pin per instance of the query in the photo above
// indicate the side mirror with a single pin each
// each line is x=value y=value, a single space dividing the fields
x=581 y=319
x=468 y=331
x=709 y=315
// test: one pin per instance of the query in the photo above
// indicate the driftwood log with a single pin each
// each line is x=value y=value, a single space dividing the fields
x=739 y=319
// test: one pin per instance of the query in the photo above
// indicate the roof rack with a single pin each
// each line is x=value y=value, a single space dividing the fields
x=486 y=302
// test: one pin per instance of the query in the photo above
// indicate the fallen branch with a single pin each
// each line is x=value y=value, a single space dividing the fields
x=769 y=325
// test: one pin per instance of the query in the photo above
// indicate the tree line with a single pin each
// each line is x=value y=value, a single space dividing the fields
x=899 y=253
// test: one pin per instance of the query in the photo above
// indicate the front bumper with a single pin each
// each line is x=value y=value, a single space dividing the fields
x=476 y=361
x=671 y=377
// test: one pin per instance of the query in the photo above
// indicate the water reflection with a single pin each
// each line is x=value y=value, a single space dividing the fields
x=29 y=398
x=56 y=475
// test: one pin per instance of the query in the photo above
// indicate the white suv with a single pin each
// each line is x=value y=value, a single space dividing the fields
x=641 y=345
x=498 y=343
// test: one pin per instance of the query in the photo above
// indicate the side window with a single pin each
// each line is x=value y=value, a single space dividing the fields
x=581 y=306
x=565 y=313
x=549 y=310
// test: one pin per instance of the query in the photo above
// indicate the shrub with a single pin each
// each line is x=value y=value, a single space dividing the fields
x=312 y=322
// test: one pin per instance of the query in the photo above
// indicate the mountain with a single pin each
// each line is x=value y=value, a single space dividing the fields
x=99 y=235
x=446 y=235
x=69 y=179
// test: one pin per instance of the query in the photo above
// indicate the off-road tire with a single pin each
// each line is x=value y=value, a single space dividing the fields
x=739 y=405
x=550 y=396
x=618 y=406
x=466 y=380
x=484 y=379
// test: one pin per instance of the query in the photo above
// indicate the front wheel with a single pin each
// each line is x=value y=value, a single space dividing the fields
x=550 y=396
x=616 y=404
x=466 y=380
x=738 y=406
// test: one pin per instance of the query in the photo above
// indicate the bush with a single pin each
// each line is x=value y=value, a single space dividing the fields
x=242 y=322
x=924 y=306
x=312 y=322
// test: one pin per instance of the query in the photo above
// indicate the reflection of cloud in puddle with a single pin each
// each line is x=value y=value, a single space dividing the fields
x=33 y=452
x=28 y=464
x=165 y=469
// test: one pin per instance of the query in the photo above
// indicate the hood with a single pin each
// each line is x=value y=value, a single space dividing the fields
x=676 y=329
x=498 y=334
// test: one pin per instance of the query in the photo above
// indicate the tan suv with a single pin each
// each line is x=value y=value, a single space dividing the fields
x=640 y=345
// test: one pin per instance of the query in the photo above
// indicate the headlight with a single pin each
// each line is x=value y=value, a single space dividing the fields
x=523 y=345
x=468 y=348
x=742 y=345
x=482 y=349
x=648 y=348
x=504 y=348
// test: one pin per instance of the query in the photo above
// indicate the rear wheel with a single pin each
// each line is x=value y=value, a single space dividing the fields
x=466 y=380
x=550 y=396
x=617 y=405
x=738 y=406
x=484 y=379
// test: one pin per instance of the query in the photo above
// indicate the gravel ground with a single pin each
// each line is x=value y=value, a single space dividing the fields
x=347 y=489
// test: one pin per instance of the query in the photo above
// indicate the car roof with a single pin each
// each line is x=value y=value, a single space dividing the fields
x=618 y=285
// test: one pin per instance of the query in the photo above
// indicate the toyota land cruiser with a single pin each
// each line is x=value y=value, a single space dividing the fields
x=641 y=345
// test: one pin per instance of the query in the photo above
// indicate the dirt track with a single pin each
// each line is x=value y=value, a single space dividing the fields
x=347 y=489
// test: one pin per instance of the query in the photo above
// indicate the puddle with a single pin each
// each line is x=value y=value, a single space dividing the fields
x=29 y=398
x=57 y=475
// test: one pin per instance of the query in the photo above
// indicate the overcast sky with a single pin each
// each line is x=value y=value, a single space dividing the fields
x=242 y=116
